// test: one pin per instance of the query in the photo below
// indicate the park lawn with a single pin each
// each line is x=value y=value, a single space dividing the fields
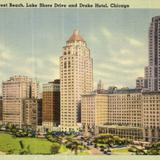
x=120 y=151
x=37 y=146
x=63 y=149
x=104 y=145
x=7 y=142
x=83 y=153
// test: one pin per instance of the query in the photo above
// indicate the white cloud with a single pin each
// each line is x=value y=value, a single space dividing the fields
x=35 y=61
x=5 y=55
x=93 y=38
x=54 y=59
x=106 y=32
x=125 y=52
x=134 y=42
x=118 y=63
x=124 y=61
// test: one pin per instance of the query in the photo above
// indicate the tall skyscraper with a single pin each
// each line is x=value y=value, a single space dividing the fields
x=76 y=74
x=15 y=91
x=152 y=71
x=51 y=104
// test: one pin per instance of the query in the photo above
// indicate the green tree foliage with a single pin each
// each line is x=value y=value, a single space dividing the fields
x=55 y=148
x=154 y=149
x=137 y=151
x=54 y=138
x=24 y=150
x=104 y=139
x=74 y=146
x=110 y=140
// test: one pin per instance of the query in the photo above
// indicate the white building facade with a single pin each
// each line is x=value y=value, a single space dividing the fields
x=76 y=75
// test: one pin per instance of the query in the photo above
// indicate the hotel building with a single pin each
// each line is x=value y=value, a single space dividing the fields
x=124 y=107
x=76 y=74
x=94 y=110
x=129 y=113
x=51 y=104
x=151 y=116
x=118 y=112
x=124 y=114
x=15 y=91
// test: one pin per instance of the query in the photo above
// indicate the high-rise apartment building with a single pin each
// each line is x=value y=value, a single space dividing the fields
x=152 y=71
x=30 y=111
x=51 y=104
x=15 y=91
x=140 y=83
x=76 y=74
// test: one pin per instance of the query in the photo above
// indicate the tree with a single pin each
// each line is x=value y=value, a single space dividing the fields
x=11 y=151
x=24 y=150
x=136 y=150
x=107 y=139
x=55 y=148
x=52 y=138
x=132 y=149
x=153 y=152
x=117 y=140
x=154 y=149
x=9 y=126
x=74 y=145
x=21 y=133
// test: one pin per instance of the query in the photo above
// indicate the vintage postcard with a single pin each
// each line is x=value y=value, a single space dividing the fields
x=79 y=80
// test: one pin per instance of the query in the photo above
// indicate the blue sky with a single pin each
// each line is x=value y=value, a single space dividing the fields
x=31 y=42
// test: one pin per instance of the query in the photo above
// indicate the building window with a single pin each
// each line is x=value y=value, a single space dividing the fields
x=65 y=65
x=69 y=64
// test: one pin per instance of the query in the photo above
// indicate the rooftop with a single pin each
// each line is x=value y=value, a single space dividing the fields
x=75 y=37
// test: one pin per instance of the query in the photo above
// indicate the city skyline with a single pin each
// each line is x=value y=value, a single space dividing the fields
x=81 y=108
x=37 y=40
